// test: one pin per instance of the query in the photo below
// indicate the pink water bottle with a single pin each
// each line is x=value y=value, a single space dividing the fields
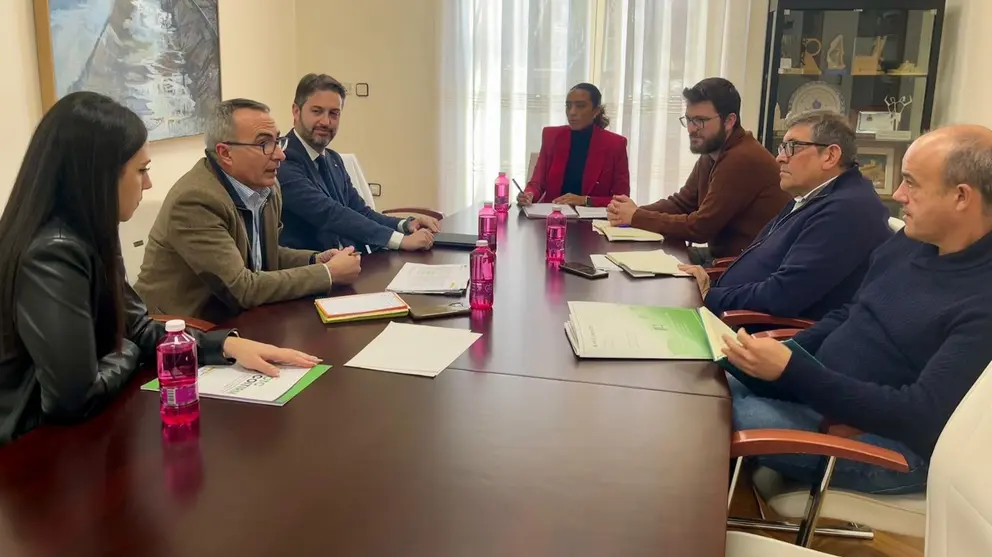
x=502 y=193
x=177 y=369
x=481 y=268
x=556 y=235
x=487 y=225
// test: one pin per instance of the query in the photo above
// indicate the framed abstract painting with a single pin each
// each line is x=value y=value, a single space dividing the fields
x=160 y=58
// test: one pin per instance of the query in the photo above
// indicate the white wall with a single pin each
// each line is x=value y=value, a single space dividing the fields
x=963 y=79
x=254 y=64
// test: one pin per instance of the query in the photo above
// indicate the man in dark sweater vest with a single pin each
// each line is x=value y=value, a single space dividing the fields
x=897 y=360
x=733 y=190
x=812 y=257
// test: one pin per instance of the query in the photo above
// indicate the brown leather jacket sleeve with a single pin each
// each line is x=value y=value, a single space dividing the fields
x=55 y=322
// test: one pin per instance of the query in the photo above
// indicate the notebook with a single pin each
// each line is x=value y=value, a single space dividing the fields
x=453 y=240
x=647 y=263
x=619 y=331
x=358 y=307
x=237 y=383
x=624 y=233
x=542 y=210
x=418 y=278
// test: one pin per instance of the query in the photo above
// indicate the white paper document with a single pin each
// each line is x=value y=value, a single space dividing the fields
x=237 y=383
x=603 y=263
x=414 y=349
x=542 y=210
x=417 y=278
x=624 y=233
x=591 y=212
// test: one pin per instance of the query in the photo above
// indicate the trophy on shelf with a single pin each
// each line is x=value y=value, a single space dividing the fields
x=809 y=60
x=871 y=64
x=895 y=107
x=907 y=68
x=835 y=55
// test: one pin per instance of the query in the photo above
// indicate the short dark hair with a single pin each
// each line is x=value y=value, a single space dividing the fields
x=312 y=82
x=829 y=128
x=596 y=96
x=722 y=93
x=71 y=171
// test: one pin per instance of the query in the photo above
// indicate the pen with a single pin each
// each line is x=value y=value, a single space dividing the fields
x=518 y=185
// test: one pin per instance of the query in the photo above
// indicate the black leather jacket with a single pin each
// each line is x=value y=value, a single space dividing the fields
x=56 y=369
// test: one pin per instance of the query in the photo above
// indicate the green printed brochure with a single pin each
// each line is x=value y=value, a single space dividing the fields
x=237 y=383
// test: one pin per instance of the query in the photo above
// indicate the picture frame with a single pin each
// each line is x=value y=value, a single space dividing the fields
x=159 y=58
x=870 y=121
x=878 y=165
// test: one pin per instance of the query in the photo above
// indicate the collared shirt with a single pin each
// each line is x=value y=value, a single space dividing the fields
x=802 y=199
x=254 y=200
x=395 y=239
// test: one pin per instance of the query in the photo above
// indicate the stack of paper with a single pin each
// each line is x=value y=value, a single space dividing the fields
x=361 y=306
x=647 y=263
x=542 y=210
x=417 y=278
x=603 y=263
x=624 y=233
x=591 y=212
x=414 y=349
x=237 y=383
x=603 y=330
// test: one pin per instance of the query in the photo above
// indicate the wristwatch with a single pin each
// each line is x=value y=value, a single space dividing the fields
x=406 y=224
x=588 y=201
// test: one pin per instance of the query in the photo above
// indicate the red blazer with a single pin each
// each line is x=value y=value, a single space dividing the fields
x=606 y=173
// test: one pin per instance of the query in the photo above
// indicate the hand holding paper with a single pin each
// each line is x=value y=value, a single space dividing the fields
x=762 y=358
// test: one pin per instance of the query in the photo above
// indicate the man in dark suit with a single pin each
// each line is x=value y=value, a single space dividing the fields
x=321 y=208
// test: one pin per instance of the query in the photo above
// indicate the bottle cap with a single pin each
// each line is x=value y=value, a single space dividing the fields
x=482 y=243
x=556 y=207
x=175 y=325
x=487 y=204
x=502 y=173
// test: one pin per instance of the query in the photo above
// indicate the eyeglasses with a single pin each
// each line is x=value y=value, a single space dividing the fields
x=697 y=121
x=788 y=148
x=268 y=146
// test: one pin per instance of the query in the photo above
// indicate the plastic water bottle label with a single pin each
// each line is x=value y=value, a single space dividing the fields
x=178 y=397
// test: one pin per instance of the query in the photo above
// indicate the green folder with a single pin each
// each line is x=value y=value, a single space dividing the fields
x=235 y=383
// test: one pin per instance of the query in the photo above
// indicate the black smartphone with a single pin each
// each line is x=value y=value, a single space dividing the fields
x=453 y=309
x=583 y=270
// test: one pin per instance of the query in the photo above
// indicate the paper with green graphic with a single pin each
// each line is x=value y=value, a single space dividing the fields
x=603 y=330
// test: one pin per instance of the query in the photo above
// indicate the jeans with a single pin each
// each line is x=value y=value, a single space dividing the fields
x=756 y=412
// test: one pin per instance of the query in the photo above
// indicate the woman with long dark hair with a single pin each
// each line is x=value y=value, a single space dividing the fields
x=72 y=332
x=581 y=163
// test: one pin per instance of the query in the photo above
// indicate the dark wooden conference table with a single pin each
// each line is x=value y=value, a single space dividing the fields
x=517 y=448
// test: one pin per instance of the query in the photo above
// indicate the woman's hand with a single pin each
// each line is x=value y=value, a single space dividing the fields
x=570 y=199
x=525 y=198
x=257 y=356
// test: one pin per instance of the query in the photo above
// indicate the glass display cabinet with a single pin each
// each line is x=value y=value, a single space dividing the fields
x=874 y=61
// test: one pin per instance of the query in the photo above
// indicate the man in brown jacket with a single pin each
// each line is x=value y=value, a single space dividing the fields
x=214 y=248
x=733 y=190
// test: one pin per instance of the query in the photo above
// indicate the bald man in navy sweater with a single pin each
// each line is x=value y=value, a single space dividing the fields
x=897 y=360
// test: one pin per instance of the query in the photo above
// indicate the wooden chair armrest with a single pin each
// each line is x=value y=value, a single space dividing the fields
x=777 y=334
x=742 y=317
x=416 y=210
x=760 y=442
x=723 y=261
x=714 y=272
x=192 y=322
x=838 y=430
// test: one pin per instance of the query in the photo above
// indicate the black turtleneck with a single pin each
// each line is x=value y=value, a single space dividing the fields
x=576 y=165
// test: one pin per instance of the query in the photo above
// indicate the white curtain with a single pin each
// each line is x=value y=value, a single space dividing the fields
x=508 y=64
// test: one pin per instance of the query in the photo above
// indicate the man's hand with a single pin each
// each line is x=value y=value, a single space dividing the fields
x=702 y=279
x=620 y=211
x=326 y=256
x=345 y=266
x=763 y=358
x=424 y=221
x=570 y=199
x=260 y=357
x=422 y=239
x=525 y=198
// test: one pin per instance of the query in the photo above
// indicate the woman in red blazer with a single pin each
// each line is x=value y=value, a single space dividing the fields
x=581 y=163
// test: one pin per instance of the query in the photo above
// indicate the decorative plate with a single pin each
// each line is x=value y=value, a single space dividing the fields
x=817 y=95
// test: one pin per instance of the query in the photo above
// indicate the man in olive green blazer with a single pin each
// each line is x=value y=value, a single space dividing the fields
x=214 y=250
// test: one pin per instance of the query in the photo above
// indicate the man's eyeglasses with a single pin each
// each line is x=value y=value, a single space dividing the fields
x=788 y=148
x=268 y=146
x=697 y=121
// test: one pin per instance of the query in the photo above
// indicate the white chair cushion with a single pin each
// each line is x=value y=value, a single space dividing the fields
x=899 y=514
x=135 y=231
x=741 y=544
x=896 y=224
x=358 y=180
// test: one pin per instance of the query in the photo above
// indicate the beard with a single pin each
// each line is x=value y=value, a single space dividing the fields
x=318 y=144
x=710 y=145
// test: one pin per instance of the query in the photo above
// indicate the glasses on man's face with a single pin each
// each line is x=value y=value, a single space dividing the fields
x=696 y=121
x=268 y=146
x=788 y=148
